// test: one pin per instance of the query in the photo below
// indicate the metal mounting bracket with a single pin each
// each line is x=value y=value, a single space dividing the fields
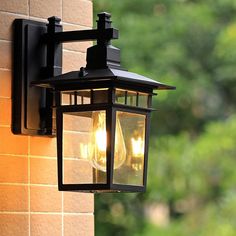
x=31 y=111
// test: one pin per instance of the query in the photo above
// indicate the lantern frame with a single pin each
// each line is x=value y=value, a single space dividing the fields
x=111 y=108
x=110 y=128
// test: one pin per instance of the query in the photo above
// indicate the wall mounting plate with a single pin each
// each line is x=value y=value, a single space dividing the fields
x=31 y=114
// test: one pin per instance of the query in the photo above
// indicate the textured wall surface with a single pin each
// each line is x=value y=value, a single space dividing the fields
x=30 y=203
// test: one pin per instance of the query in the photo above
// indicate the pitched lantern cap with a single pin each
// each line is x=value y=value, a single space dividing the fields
x=75 y=78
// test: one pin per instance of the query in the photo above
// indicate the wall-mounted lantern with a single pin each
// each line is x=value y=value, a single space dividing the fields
x=102 y=112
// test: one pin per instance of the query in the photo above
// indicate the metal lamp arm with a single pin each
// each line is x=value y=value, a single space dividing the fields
x=81 y=35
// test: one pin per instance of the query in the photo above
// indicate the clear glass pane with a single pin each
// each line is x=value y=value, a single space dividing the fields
x=143 y=100
x=120 y=96
x=100 y=95
x=83 y=97
x=84 y=147
x=67 y=98
x=131 y=98
x=75 y=97
x=129 y=147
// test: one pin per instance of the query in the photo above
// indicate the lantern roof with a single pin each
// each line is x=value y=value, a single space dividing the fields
x=113 y=76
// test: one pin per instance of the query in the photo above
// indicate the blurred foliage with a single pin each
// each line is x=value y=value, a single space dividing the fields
x=190 y=44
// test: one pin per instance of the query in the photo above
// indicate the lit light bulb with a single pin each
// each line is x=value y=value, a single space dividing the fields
x=100 y=143
x=100 y=139
x=137 y=147
x=137 y=153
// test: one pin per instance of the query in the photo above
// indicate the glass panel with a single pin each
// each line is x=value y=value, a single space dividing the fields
x=129 y=142
x=143 y=100
x=75 y=97
x=120 y=96
x=83 y=97
x=131 y=98
x=67 y=98
x=100 y=95
x=84 y=147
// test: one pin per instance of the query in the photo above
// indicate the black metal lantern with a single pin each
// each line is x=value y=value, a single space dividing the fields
x=102 y=114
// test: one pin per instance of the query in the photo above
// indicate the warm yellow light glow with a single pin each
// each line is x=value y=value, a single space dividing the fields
x=100 y=139
x=100 y=143
x=85 y=150
x=137 y=153
x=137 y=147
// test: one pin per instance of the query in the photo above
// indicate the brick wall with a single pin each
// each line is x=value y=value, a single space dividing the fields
x=30 y=203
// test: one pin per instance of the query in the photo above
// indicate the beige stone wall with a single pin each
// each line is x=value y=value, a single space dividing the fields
x=30 y=203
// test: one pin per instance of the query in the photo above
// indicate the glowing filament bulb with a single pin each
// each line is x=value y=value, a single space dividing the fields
x=100 y=139
x=137 y=153
x=137 y=147
x=99 y=157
